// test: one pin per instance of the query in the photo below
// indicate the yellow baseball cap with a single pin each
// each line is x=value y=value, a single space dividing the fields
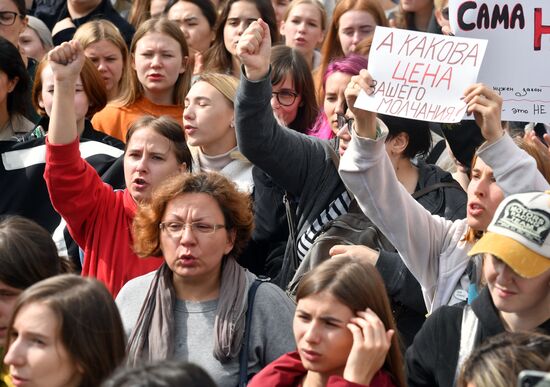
x=519 y=234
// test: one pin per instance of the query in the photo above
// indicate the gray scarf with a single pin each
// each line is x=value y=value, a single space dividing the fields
x=152 y=338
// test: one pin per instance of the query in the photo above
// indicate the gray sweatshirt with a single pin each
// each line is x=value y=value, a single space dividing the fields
x=271 y=335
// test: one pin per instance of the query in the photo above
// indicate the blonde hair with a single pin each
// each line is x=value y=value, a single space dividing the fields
x=499 y=360
x=162 y=25
x=316 y=3
x=97 y=30
x=226 y=84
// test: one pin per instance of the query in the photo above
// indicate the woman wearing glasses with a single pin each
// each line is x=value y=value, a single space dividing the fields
x=194 y=306
x=209 y=124
x=13 y=19
x=294 y=106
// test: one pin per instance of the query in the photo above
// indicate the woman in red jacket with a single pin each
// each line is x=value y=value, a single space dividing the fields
x=340 y=330
x=99 y=218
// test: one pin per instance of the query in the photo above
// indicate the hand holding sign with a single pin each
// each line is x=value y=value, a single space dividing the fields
x=421 y=76
x=365 y=121
x=486 y=106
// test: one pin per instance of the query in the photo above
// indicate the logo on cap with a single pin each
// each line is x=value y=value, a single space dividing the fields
x=532 y=224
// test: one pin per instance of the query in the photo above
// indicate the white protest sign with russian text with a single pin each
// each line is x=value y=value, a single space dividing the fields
x=517 y=62
x=421 y=76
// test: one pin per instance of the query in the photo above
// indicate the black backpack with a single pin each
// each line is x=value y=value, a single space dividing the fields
x=352 y=228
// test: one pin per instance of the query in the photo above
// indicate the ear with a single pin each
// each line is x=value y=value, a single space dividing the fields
x=182 y=168
x=282 y=28
x=231 y=236
x=79 y=368
x=232 y=124
x=399 y=143
x=12 y=83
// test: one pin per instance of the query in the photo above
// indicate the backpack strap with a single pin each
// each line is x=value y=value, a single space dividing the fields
x=433 y=187
x=436 y=151
x=468 y=334
x=243 y=354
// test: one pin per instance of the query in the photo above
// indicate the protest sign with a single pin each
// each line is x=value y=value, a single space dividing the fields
x=421 y=76
x=518 y=51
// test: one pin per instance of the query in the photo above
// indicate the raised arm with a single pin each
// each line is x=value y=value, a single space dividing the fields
x=419 y=237
x=66 y=62
x=290 y=158
x=76 y=190
x=513 y=169
x=254 y=50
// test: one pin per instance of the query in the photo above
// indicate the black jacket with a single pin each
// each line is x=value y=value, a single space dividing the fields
x=103 y=11
x=432 y=359
x=271 y=233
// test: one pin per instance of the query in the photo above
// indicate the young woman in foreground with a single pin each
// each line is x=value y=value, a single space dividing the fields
x=344 y=332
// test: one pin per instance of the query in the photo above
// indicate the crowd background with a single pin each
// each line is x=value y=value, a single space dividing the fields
x=188 y=196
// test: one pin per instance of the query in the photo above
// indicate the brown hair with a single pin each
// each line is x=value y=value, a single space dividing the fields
x=90 y=326
x=166 y=127
x=139 y=12
x=27 y=253
x=100 y=29
x=499 y=360
x=289 y=61
x=359 y=286
x=235 y=206
x=332 y=49
x=162 y=25
x=364 y=46
x=217 y=58
x=91 y=82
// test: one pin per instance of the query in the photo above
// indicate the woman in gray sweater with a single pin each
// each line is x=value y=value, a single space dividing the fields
x=195 y=306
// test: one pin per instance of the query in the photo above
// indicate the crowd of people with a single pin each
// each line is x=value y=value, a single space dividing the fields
x=189 y=196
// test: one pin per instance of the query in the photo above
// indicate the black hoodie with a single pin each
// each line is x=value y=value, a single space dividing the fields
x=433 y=357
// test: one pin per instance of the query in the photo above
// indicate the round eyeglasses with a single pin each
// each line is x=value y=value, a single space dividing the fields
x=285 y=97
